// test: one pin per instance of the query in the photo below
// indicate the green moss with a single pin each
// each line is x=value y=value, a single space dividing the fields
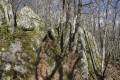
x=28 y=75
x=28 y=40
x=65 y=76
x=27 y=43
x=4 y=44
x=3 y=30
x=57 y=51
x=18 y=15
x=5 y=37
x=51 y=62
x=27 y=48
x=1 y=8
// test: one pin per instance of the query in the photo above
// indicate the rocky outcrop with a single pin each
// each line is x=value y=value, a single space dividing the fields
x=90 y=57
x=29 y=51
x=27 y=19
x=31 y=23
x=18 y=51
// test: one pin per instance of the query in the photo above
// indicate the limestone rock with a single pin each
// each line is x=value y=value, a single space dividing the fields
x=18 y=51
x=20 y=68
x=8 y=57
x=15 y=47
x=27 y=19
x=7 y=67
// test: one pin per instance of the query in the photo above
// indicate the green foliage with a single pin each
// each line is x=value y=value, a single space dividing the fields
x=3 y=30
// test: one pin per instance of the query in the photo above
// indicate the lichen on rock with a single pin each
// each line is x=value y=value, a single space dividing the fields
x=30 y=41
x=20 y=48
x=27 y=19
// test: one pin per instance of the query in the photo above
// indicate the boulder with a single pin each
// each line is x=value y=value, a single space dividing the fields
x=27 y=19
x=16 y=46
x=8 y=57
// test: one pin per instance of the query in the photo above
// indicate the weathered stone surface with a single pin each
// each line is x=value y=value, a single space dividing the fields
x=16 y=46
x=21 y=69
x=8 y=57
x=27 y=19
x=7 y=67
x=18 y=51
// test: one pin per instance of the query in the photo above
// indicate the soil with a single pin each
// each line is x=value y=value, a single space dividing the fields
x=112 y=72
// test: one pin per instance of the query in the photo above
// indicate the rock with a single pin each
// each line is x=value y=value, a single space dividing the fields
x=23 y=48
x=24 y=56
x=89 y=50
x=3 y=49
x=7 y=67
x=21 y=69
x=8 y=57
x=27 y=19
x=16 y=46
x=8 y=78
x=19 y=50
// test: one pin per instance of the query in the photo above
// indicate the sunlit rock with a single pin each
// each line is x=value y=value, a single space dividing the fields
x=21 y=69
x=27 y=19
x=8 y=57
x=20 y=49
x=16 y=46
x=7 y=67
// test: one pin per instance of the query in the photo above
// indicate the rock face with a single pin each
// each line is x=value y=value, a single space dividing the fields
x=8 y=57
x=18 y=51
x=27 y=19
x=29 y=44
x=16 y=46
x=90 y=56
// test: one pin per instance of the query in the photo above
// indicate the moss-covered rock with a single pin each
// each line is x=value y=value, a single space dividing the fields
x=19 y=49
x=88 y=44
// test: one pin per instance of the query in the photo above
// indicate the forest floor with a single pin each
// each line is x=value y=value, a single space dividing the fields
x=112 y=72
